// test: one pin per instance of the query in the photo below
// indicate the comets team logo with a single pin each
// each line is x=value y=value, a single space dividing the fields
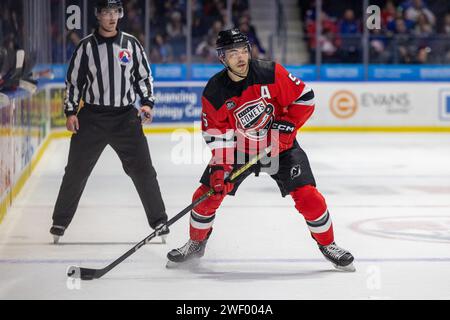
x=254 y=119
x=124 y=57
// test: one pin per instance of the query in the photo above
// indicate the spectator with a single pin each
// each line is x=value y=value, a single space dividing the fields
x=175 y=27
x=378 y=47
x=406 y=4
x=418 y=7
x=72 y=43
x=157 y=17
x=400 y=14
x=388 y=14
x=154 y=55
x=349 y=25
x=164 y=52
x=444 y=42
x=446 y=25
x=216 y=27
x=422 y=56
x=133 y=18
x=423 y=26
x=212 y=8
x=239 y=7
x=402 y=41
x=256 y=54
x=329 y=40
x=329 y=45
x=198 y=27
x=10 y=30
x=207 y=49
x=250 y=32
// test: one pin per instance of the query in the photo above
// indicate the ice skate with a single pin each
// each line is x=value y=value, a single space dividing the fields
x=162 y=231
x=57 y=232
x=340 y=258
x=187 y=254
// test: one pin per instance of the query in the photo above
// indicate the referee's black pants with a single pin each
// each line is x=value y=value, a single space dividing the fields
x=122 y=130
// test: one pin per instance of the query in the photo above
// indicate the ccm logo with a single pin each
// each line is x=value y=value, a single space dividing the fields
x=284 y=127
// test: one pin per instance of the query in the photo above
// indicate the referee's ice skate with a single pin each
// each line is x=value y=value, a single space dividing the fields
x=162 y=231
x=57 y=232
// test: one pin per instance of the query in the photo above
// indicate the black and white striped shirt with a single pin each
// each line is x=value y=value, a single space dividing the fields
x=108 y=72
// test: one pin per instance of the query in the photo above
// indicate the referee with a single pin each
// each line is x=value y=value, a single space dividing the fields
x=108 y=70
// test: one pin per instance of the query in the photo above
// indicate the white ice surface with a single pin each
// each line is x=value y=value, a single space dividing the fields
x=388 y=194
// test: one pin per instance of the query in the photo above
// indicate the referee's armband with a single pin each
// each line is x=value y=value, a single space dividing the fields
x=148 y=102
x=70 y=113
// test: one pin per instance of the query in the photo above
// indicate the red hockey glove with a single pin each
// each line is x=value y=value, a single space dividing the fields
x=282 y=136
x=219 y=173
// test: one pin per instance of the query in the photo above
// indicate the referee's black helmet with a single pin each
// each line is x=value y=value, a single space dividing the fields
x=109 y=4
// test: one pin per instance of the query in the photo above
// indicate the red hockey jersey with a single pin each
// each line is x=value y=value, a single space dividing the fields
x=240 y=114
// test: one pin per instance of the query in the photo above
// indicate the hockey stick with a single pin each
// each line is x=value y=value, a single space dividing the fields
x=90 y=274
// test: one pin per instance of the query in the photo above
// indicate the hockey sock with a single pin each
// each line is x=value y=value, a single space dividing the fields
x=202 y=216
x=311 y=204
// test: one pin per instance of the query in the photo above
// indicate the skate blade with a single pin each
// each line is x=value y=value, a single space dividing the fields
x=182 y=265
x=349 y=268
x=56 y=239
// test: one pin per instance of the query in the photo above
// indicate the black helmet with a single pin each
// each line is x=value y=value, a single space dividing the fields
x=231 y=38
x=109 y=4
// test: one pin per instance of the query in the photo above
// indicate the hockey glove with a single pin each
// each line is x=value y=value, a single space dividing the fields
x=282 y=136
x=217 y=180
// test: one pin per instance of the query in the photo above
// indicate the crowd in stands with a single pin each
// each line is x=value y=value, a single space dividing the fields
x=15 y=64
x=412 y=31
x=168 y=28
x=10 y=39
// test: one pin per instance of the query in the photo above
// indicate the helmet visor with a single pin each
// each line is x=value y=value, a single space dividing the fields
x=233 y=48
x=114 y=11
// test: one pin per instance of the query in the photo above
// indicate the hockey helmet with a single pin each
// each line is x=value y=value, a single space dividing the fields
x=229 y=39
x=109 y=4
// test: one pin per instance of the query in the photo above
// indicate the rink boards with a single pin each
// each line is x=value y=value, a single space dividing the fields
x=347 y=106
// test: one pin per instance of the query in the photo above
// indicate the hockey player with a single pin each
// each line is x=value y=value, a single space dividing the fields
x=247 y=103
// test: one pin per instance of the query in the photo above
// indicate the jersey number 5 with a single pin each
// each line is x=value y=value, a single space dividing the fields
x=294 y=79
x=205 y=120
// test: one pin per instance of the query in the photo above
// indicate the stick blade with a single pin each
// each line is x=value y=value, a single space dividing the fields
x=82 y=273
